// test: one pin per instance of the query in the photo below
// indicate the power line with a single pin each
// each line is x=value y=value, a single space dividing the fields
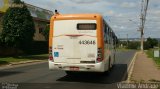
x=144 y=7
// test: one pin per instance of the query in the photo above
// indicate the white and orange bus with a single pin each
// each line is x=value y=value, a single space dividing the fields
x=81 y=42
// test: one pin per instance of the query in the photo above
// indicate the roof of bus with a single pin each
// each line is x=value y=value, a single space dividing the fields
x=76 y=16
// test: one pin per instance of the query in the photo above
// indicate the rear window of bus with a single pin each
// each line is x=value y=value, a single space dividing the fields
x=86 y=26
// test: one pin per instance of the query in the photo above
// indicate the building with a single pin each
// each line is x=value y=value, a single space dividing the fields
x=41 y=19
x=40 y=16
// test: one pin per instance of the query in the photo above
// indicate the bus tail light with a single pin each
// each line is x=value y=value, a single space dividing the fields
x=50 y=54
x=99 y=55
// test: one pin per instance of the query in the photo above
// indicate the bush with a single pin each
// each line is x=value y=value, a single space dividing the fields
x=9 y=51
x=146 y=45
x=37 y=47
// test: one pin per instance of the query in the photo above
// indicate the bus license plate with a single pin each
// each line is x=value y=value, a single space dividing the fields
x=74 y=68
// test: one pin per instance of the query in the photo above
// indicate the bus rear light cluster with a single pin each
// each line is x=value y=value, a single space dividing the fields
x=99 y=55
x=51 y=58
x=50 y=54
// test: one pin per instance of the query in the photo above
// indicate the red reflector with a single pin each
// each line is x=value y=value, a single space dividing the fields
x=99 y=55
x=99 y=59
x=51 y=58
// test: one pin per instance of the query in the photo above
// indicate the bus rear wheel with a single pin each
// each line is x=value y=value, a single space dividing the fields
x=114 y=61
x=109 y=64
x=70 y=72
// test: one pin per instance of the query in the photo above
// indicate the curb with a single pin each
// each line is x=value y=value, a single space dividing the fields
x=22 y=62
x=130 y=68
x=19 y=64
x=25 y=62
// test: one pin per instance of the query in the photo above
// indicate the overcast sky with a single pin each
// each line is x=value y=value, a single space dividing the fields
x=117 y=13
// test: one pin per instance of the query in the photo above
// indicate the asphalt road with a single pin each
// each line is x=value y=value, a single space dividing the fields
x=38 y=76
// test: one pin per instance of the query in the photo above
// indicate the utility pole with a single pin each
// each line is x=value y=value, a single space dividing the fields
x=127 y=39
x=142 y=36
x=144 y=7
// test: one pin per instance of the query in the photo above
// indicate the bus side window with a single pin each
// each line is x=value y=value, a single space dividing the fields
x=109 y=36
x=105 y=32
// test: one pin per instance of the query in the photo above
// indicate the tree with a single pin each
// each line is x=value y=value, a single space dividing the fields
x=133 y=45
x=151 y=42
x=18 y=26
x=46 y=32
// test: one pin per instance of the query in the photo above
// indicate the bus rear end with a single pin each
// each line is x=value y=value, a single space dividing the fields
x=74 y=43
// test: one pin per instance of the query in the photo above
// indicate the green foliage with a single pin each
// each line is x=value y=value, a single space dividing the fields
x=3 y=62
x=124 y=43
x=150 y=54
x=46 y=32
x=151 y=42
x=0 y=30
x=146 y=45
x=0 y=24
x=133 y=45
x=18 y=26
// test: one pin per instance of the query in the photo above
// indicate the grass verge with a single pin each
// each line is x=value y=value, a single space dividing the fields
x=150 y=54
x=7 y=60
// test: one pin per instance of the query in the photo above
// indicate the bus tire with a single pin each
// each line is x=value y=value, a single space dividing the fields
x=109 y=64
x=114 y=61
x=70 y=72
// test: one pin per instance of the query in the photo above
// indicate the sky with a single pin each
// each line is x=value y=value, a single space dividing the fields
x=123 y=16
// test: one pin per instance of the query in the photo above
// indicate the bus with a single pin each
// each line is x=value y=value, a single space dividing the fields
x=81 y=42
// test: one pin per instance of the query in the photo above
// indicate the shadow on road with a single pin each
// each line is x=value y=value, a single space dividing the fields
x=116 y=74
x=8 y=73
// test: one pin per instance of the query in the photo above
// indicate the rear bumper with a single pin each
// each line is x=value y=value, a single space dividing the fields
x=97 y=67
